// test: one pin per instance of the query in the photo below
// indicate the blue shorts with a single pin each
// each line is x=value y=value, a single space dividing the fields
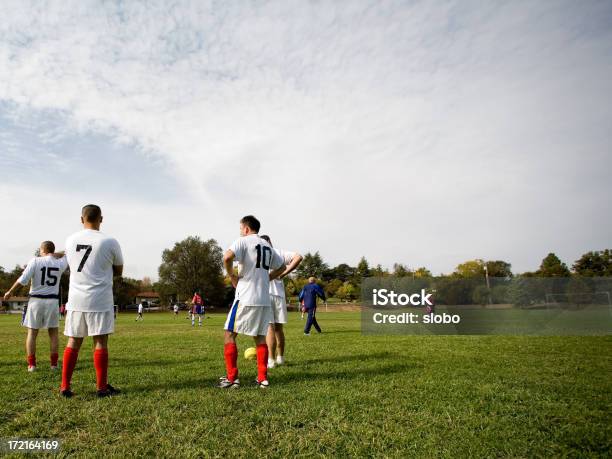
x=198 y=309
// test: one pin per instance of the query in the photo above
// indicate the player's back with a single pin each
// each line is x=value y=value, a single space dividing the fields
x=91 y=255
x=44 y=274
x=256 y=258
x=277 y=287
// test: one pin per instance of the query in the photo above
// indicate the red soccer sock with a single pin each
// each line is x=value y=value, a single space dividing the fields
x=32 y=360
x=54 y=358
x=70 y=359
x=262 y=362
x=230 y=351
x=101 y=365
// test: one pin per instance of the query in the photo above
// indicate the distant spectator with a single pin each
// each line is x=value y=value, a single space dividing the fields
x=309 y=295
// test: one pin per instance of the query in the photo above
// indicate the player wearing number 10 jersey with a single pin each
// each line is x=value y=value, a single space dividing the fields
x=94 y=258
x=251 y=312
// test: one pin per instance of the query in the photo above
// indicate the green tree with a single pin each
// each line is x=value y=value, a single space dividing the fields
x=191 y=265
x=422 y=272
x=472 y=268
x=312 y=265
x=594 y=264
x=552 y=266
x=379 y=271
x=480 y=295
x=346 y=292
x=363 y=268
x=499 y=268
x=342 y=272
x=399 y=270
x=332 y=287
x=295 y=285
x=124 y=290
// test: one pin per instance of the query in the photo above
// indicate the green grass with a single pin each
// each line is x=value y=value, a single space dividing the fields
x=342 y=394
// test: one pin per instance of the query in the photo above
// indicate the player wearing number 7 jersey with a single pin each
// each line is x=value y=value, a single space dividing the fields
x=94 y=259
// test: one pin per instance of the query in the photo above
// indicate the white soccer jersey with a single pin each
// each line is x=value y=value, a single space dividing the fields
x=140 y=308
x=91 y=256
x=255 y=258
x=45 y=273
x=277 y=287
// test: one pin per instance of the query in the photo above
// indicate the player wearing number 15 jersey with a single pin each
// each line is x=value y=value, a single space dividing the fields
x=44 y=273
x=94 y=258
x=251 y=312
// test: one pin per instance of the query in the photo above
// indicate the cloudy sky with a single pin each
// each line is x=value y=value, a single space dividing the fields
x=426 y=133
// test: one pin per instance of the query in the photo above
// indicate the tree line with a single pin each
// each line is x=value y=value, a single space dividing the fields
x=194 y=264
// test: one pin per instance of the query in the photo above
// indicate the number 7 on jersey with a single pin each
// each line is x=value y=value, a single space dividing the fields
x=80 y=247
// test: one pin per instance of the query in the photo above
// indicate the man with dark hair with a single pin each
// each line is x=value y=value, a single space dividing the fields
x=251 y=222
x=91 y=213
x=251 y=312
x=276 y=334
x=309 y=295
x=47 y=247
x=94 y=260
x=44 y=273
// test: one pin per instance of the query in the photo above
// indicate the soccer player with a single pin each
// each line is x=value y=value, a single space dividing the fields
x=309 y=295
x=44 y=273
x=276 y=334
x=196 y=309
x=94 y=259
x=140 y=309
x=176 y=310
x=251 y=312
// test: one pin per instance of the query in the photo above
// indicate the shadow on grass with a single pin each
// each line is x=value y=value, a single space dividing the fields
x=130 y=363
x=312 y=377
x=349 y=358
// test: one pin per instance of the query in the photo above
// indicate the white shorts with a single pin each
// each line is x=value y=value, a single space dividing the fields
x=42 y=313
x=248 y=320
x=279 y=310
x=80 y=324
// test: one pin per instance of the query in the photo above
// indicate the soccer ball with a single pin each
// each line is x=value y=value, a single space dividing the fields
x=250 y=354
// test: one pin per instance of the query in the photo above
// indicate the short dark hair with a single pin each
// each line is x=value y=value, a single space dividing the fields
x=251 y=222
x=91 y=213
x=48 y=246
x=265 y=237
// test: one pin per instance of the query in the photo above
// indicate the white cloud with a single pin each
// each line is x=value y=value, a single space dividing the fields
x=426 y=133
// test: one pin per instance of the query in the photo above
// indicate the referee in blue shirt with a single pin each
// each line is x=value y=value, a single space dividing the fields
x=309 y=294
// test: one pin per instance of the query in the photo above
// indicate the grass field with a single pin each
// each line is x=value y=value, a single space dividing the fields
x=342 y=394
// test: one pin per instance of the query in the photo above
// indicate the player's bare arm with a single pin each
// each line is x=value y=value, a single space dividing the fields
x=228 y=263
x=277 y=272
x=295 y=262
x=9 y=293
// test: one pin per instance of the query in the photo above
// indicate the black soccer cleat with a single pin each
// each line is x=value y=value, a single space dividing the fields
x=108 y=392
x=66 y=393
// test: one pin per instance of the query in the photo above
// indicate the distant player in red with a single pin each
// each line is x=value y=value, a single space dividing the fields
x=197 y=308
